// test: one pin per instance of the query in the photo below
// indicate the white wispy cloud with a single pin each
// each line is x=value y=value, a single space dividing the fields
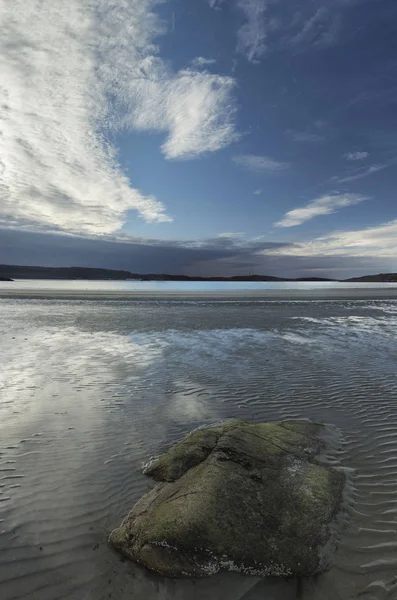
x=356 y=155
x=194 y=108
x=309 y=27
x=379 y=242
x=201 y=61
x=231 y=234
x=325 y=205
x=251 y=37
x=320 y=28
x=72 y=75
x=260 y=164
x=216 y=4
x=361 y=173
x=273 y=25
x=257 y=192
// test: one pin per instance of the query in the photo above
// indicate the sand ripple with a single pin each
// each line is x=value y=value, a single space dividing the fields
x=90 y=390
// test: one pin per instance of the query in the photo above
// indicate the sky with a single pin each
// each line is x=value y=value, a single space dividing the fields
x=207 y=137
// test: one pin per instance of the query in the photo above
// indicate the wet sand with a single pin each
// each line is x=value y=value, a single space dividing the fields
x=334 y=293
x=91 y=390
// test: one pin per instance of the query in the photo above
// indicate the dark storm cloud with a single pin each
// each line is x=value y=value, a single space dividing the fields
x=219 y=256
x=287 y=266
x=139 y=255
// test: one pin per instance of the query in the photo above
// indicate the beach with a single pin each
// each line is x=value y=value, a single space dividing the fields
x=91 y=389
x=211 y=291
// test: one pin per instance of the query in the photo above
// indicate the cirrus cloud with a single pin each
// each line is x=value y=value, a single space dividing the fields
x=356 y=155
x=216 y=4
x=361 y=173
x=259 y=164
x=201 y=61
x=325 y=205
x=75 y=74
x=251 y=37
x=372 y=242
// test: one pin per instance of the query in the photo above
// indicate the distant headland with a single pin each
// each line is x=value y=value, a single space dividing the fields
x=11 y=272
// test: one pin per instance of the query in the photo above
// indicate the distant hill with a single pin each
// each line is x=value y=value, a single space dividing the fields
x=168 y=277
x=10 y=272
x=381 y=277
x=28 y=272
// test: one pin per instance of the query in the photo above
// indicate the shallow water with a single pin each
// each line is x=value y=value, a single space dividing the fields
x=90 y=390
x=79 y=285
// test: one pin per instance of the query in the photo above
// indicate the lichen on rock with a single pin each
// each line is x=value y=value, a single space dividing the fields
x=246 y=497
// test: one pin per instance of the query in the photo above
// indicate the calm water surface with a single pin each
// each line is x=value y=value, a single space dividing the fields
x=91 y=389
x=178 y=286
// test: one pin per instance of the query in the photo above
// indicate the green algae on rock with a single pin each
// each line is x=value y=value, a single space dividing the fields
x=246 y=497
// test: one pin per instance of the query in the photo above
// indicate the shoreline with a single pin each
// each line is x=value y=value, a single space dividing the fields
x=275 y=295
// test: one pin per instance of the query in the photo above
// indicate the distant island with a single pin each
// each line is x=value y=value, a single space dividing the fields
x=381 y=277
x=8 y=272
x=11 y=272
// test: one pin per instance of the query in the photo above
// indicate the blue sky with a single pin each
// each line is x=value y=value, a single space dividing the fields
x=200 y=136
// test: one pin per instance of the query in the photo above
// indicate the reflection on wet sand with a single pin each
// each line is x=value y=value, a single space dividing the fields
x=90 y=390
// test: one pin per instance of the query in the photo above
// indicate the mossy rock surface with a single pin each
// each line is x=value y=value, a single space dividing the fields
x=246 y=497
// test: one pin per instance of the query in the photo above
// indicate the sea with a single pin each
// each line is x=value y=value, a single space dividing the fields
x=97 y=377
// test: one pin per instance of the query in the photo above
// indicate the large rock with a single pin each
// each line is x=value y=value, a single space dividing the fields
x=244 y=497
